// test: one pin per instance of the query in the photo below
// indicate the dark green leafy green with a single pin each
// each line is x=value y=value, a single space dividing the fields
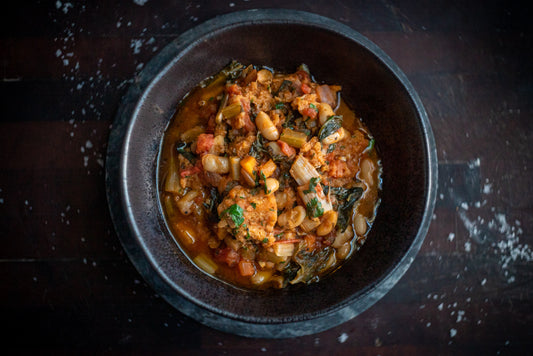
x=185 y=150
x=311 y=263
x=258 y=149
x=346 y=198
x=233 y=70
x=330 y=126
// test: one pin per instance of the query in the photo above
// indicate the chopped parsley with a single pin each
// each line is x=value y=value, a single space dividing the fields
x=254 y=205
x=312 y=185
x=312 y=106
x=264 y=181
x=314 y=208
x=265 y=240
x=235 y=213
x=280 y=106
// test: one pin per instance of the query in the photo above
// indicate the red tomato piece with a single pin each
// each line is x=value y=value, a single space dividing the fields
x=306 y=89
x=204 y=143
x=227 y=256
x=233 y=89
x=310 y=112
x=286 y=149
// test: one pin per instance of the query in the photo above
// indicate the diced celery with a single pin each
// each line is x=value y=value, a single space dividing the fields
x=293 y=138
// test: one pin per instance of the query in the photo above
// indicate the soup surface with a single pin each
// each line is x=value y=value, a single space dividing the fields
x=268 y=178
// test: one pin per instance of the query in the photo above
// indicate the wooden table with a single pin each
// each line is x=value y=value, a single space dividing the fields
x=67 y=286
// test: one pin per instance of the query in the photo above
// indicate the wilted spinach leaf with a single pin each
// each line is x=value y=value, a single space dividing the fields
x=330 y=126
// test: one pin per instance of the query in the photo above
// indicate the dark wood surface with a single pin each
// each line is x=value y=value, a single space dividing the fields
x=66 y=285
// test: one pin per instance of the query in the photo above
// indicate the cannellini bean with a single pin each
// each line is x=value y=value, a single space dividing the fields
x=271 y=185
x=261 y=277
x=276 y=150
x=343 y=237
x=264 y=76
x=335 y=137
x=215 y=164
x=360 y=224
x=343 y=251
x=185 y=204
x=324 y=112
x=292 y=218
x=367 y=170
x=282 y=199
x=265 y=125
x=328 y=222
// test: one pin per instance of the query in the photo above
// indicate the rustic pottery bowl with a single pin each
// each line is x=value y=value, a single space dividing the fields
x=374 y=86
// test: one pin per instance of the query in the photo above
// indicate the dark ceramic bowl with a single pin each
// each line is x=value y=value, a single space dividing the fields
x=377 y=90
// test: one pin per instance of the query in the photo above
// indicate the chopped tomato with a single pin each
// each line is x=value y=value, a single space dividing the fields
x=246 y=268
x=310 y=112
x=228 y=256
x=204 y=143
x=286 y=149
x=338 y=169
x=190 y=171
x=306 y=89
x=233 y=89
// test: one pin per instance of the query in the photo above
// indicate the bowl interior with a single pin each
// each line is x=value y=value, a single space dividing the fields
x=373 y=91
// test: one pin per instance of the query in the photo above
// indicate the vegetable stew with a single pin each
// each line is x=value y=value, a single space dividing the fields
x=266 y=178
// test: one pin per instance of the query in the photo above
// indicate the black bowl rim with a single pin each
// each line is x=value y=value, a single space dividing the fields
x=127 y=231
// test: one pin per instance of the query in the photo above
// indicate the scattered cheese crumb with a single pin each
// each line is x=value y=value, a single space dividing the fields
x=342 y=338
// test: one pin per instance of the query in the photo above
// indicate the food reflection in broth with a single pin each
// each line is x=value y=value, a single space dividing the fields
x=268 y=179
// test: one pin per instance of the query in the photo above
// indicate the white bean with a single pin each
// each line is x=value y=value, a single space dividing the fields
x=360 y=224
x=343 y=251
x=334 y=137
x=266 y=126
x=272 y=185
x=324 y=112
x=367 y=170
x=215 y=164
x=264 y=76
x=292 y=218
x=343 y=237
x=329 y=220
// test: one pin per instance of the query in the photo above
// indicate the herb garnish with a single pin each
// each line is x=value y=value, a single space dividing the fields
x=314 y=208
x=312 y=185
x=235 y=213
